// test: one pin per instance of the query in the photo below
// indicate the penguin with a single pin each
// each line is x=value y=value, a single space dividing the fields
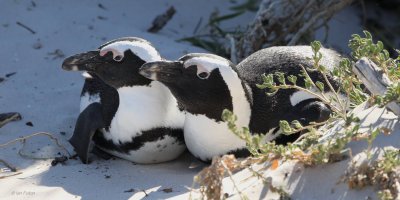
x=206 y=84
x=122 y=112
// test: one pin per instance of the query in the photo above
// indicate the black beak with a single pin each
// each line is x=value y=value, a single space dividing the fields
x=82 y=62
x=164 y=71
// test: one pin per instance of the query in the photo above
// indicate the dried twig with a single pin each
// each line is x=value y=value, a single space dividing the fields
x=329 y=12
x=22 y=154
x=284 y=22
x=26 y=27
x=18 y=173
x=161 y=20
x=9 y=117
x=210 y=178
x=231 y=177
x=57 y=54
x=12 y=168
x=36 y=134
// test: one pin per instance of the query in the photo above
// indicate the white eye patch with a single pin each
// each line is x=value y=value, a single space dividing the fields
x=203 y=72
x=143 y=50
x=117 y=55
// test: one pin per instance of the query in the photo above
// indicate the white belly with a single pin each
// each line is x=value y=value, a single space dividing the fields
x=205 y=138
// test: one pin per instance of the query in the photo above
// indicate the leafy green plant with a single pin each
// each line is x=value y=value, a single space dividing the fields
x=390 y=161
x=382 y=173
x=365 y=47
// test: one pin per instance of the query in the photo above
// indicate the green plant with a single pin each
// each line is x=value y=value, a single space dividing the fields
x=365 y=47
x=390 y=161
x=382 y=173
x=370 y=138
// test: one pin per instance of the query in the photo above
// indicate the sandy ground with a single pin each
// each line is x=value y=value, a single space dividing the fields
x=48 y=97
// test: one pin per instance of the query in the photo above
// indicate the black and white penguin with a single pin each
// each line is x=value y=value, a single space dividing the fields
x=206 y=84
x=124 y=113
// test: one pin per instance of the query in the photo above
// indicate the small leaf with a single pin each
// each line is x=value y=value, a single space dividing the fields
x=274 y=164
x=380 y=46
x=367 y=34
x=271 y=93
x=375 y=133
x=322 y=68
x=307 y=84
x=225 y=17
x=319 y=56
x=355 y=36
x=297 y=124
x=316 y=46
x=292 y=79
x=320 y=85
x=261 y=86
x=251 y=5
x=280 y=77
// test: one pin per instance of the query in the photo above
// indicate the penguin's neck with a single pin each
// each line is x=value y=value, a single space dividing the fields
x=241 y=101
x=143 y=108
x=206 y=138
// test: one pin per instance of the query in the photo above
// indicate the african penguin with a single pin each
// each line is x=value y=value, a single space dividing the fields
x=206 y=84
x=124 y=113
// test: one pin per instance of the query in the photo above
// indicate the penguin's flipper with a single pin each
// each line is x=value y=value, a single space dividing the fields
x=89 y=121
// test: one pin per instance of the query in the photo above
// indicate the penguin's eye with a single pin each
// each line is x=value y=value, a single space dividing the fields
x=118 y=58
x=203 y=75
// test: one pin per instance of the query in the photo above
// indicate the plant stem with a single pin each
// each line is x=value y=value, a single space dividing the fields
x=322 y=98
x=230 y=176
x=36 y=134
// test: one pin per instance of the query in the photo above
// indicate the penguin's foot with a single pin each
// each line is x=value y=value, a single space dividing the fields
x=100 y=153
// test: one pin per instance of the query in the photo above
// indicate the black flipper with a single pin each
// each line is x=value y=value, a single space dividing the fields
x=89 y=121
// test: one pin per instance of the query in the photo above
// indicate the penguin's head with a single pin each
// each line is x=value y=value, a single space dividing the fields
x=116 y=62
x=202 y=83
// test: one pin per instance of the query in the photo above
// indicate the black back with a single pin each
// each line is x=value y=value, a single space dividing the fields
x=267 y=111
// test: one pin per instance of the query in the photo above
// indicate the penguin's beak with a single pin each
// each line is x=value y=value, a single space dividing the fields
x=163 y=71
x=83 y=61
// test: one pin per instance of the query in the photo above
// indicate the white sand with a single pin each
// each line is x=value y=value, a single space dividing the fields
x=48 y=97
